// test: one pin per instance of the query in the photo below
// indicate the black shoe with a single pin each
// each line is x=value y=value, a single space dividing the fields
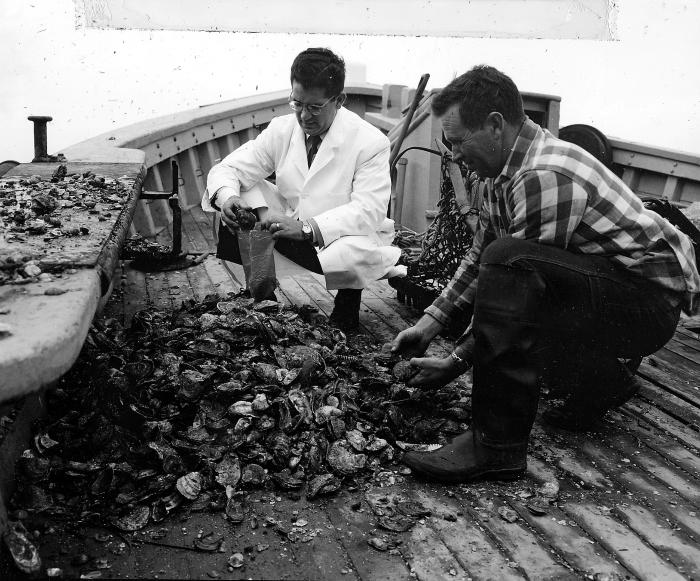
x=346 y=312
x=579 y=414
x=464 y=460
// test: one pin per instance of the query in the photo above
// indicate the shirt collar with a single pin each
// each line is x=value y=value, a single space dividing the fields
x=526 y=135
x=322 y=136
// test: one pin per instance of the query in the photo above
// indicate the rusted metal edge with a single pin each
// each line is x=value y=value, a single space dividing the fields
x=109 y=255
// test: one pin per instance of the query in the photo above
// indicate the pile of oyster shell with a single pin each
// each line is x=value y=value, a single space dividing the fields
x=50 y=208
x=197 y=407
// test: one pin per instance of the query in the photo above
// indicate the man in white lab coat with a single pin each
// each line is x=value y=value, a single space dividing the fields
x=327 y=208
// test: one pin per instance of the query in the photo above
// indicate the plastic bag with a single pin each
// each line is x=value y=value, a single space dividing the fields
x=256 y=247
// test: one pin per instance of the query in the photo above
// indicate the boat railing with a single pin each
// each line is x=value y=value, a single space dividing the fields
x=197 y=139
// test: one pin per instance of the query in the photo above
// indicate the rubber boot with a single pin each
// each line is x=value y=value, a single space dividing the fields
x=465 y=459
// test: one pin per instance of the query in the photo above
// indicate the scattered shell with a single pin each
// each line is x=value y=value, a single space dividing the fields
x=507 y=514
x=253 y=475
x=24 y=553
x=241 y=408
x=134 y=520
x=260 y=403
x=325 y=413
x=550 y=489
x=396 y=523
x=228 y=471
x=537 y=506
x=322 y=484
x=209 y=543
x=236 y=560
x=341 y=458
x=190 y=485
x=356 y=439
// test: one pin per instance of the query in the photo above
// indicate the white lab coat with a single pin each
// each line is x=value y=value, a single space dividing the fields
x=346 y=191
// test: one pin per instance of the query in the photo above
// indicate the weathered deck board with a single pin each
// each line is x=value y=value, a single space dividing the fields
x=627 y=506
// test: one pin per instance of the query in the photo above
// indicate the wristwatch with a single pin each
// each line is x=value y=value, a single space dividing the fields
x=307 y=232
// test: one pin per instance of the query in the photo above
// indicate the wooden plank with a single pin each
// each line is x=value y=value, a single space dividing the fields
x=135 y=293
x=296 y=294
x=667 y=402
x=523 y=546
x=429 y=558
x=663 y=375
x=631 y=551
x=466 y=540
x=682 y=367
x=204 y=222
x=192 y=237
x=665 y=423
x=659 y=467
x=657 y=441
x=581 y=471
x=659 y=534
x=315 y=544
x=199 y=282
x=368 y=563
x=688 y=338
x=179 y=287
x=686 y=351
x=644 y=488
x=158 y=290
x=685 y=330
x=577 y=549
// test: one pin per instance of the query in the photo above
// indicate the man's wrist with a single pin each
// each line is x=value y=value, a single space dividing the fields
x=460 y=360
x=307 y=232
x=221 y=196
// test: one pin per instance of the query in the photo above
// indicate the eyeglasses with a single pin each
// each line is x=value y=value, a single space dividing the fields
x=313 y=109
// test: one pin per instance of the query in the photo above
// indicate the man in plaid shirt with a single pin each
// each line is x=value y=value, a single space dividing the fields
x=568 y=276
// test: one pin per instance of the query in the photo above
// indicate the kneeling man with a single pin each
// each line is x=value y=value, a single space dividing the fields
x=327 y=208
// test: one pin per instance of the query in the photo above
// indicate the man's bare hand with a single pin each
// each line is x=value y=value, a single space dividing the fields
x=435 y=372
x=282 y=226
x=237 y=215
x=415 y=340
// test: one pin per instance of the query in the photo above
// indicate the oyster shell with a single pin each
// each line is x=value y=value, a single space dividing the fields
x=342 y=459
x=253 y=475
x=322 y=484
x=134 y=520
x=241 y=408
x=228 y=471
x=356 y=440
x=260 y=403
x=189 y=485
x=24 y=553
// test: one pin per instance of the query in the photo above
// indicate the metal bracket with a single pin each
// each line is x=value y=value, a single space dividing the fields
x=177 y=260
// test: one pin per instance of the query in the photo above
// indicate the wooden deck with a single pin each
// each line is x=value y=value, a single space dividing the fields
x=627 y=507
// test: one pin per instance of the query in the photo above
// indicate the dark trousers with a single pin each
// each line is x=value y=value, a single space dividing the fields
x=546 y=314
x=302 y=253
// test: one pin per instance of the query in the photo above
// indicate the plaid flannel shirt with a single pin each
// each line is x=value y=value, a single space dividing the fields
x=553 y=192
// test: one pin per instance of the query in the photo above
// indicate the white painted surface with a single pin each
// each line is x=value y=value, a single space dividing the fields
x=587 y=19
x=644 y=86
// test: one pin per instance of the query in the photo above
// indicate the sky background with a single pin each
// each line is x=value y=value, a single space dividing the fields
x=644 y=86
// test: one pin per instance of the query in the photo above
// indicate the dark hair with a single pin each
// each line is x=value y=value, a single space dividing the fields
x=481 y=91
x=319 y=68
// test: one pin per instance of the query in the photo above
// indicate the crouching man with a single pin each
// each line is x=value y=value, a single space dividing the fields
x=327 y=208
x=568 y=276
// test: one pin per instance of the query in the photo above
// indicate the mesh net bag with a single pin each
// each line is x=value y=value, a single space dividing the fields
x=433 y=257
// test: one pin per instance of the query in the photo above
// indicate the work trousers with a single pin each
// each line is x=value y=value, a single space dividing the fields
x=544 y=314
